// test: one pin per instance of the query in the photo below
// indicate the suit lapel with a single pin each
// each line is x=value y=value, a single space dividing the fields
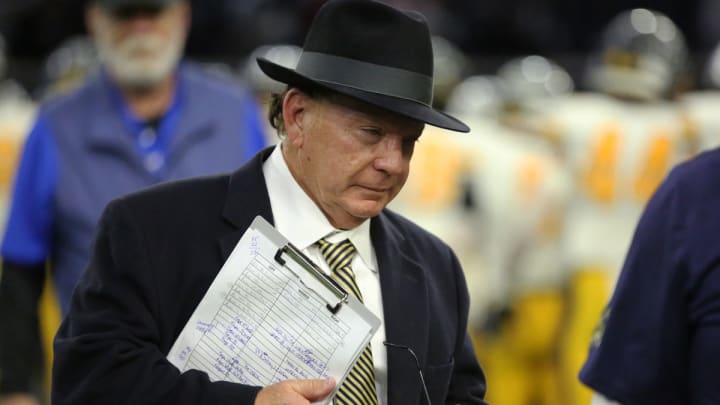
x=405 y=303
x=247 y=197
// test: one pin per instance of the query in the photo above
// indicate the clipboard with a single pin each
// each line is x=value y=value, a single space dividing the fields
x=272 y=314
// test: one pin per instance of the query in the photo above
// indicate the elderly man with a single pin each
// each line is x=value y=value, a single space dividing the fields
x=354 y=108
x=143 y=119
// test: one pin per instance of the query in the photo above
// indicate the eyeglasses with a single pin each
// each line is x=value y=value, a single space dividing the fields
x=412 y=353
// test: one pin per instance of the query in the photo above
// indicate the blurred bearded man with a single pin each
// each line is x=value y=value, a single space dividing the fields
x=143 y=118
x=140 y=44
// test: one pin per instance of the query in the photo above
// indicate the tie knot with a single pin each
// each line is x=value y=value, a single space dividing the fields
x=337 y=255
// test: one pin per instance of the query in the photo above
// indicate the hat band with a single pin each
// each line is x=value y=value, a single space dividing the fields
x=366 y=76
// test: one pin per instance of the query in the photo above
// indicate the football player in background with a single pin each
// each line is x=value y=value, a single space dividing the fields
x=619 y=141
x=658 y=337
x=519 y=191
x=496 y=195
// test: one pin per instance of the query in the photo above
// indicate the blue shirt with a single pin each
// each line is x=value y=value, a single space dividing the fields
x=87 y=148
x=659 y=341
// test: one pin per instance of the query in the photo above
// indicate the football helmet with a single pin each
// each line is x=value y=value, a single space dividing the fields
x=282 y=54
x=476 y=96
x=531 y=82
x=642 y=56
x=532 y=79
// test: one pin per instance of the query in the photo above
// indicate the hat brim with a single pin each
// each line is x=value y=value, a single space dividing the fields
x=407 y=108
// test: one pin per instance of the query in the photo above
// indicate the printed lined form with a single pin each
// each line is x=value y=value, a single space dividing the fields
x=262 y=322
x=284 y=336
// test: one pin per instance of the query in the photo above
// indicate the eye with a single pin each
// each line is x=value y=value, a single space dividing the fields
x=372 y=131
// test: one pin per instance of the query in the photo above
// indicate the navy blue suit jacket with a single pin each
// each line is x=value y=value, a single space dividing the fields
x=659 y=339
x=157 y=252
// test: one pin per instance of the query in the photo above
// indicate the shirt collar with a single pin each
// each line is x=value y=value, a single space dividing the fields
x=360 y=238
x=299 y=219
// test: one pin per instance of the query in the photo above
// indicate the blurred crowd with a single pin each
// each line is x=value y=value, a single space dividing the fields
x=488 y=32
x=578 y=111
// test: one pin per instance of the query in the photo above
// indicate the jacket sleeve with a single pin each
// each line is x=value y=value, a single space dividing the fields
x=107 y=349
x=21 y=357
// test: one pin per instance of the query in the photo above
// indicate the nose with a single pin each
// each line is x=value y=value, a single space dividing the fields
x=390 y=157
x=142 y=23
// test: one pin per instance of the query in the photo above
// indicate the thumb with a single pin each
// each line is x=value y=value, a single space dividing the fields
x=314 y=389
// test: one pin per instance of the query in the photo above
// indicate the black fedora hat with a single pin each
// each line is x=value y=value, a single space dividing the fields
x=372 y=52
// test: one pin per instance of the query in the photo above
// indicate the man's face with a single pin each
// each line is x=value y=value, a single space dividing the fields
x=351 y=158
x=140 y=47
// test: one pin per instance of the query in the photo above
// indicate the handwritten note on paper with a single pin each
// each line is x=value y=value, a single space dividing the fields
x=260 y=323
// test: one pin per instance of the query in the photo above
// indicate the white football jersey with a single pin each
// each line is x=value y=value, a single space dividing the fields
x=618 y=152
x=508 y=241
x=520 y=190
x=701 y=110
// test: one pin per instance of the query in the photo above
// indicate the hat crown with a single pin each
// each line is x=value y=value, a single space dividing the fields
x=372 y=32
x=372 y=52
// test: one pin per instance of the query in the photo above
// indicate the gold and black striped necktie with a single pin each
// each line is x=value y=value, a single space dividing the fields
x=359 y=386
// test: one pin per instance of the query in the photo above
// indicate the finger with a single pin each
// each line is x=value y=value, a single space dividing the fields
x=314 y=389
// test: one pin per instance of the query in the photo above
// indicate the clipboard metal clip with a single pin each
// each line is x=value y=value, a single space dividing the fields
x=305 y=262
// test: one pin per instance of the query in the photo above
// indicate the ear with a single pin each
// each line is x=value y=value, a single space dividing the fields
x=295 y=115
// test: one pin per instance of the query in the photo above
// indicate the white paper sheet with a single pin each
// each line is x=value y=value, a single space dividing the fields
x=261 y=322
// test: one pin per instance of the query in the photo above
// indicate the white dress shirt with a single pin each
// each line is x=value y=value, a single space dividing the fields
x=301 y=221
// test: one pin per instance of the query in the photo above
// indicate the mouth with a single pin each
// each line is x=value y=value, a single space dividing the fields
x=377 y=190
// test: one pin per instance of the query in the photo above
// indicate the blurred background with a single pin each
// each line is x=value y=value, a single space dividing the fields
x=578 y=111
x=488 y=32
